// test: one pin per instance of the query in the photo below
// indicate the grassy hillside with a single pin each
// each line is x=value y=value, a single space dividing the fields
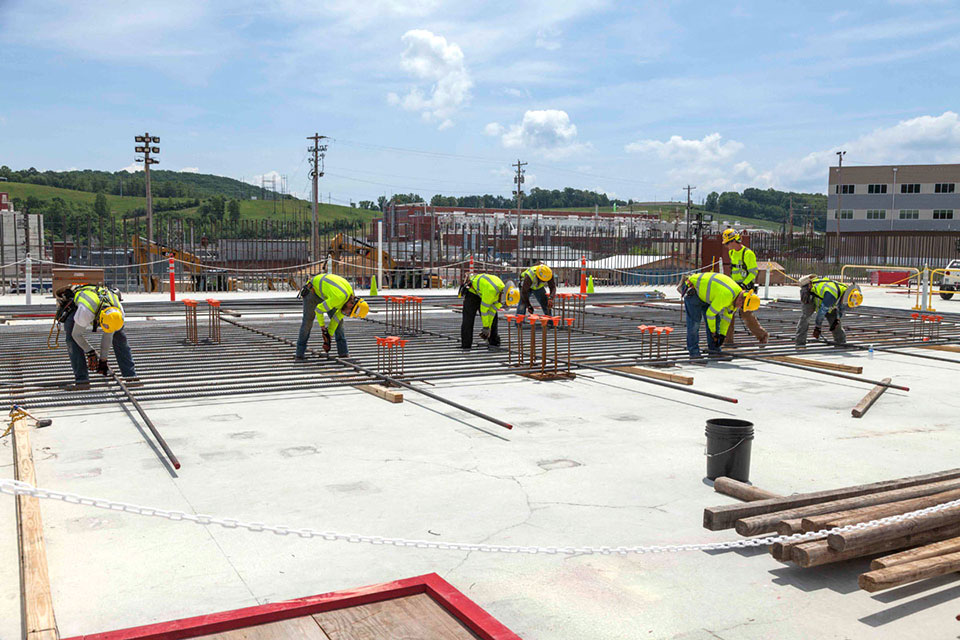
x=667 y=212
x=248 y=208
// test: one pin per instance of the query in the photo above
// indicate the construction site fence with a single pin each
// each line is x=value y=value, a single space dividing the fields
x=274 y=254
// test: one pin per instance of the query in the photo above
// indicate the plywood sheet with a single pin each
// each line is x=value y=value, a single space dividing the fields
x=415 y=617
x=305 y=628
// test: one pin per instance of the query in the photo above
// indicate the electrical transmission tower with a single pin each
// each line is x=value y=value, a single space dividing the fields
x=146 y=140
x=689 y=189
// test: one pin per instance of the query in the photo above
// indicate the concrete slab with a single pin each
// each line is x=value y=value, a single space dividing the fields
x=593 y=461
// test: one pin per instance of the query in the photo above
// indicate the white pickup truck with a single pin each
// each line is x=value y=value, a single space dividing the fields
x=951 y=280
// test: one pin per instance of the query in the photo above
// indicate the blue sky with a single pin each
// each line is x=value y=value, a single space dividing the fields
x=634 y=99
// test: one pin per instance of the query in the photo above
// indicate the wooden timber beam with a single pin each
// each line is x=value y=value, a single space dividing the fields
x=741 y=490
x=864 y=405
x=952 y=348
x=658 y=375
x=35 y=595
x=819 y=364
x=388 y=394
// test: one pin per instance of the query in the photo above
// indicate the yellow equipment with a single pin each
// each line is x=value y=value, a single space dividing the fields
x=544 y=273
x=144 y=252
x=111 y=319
x=751 y=301
x=729 y=235
x=360 y=309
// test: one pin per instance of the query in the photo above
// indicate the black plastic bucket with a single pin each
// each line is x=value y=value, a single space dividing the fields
x=728 y=448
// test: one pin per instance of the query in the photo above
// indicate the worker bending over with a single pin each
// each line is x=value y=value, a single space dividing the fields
x=712 y=297
x=484 y=293
x=534 y=280
x=328 y=296
x=827 y=298
x=743 y=270
x=92 y=307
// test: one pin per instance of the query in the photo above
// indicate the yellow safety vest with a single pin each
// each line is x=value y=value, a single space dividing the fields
x=333 y=291
x=743 y=266
x=535 y=282
x=821 y=287
x=720 y=292
x=95 y=299
x=488 y=287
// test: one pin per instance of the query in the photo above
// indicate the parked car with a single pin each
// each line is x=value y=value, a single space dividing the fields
x=951 y=280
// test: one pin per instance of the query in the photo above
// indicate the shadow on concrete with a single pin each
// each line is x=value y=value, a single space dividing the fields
x=900 y=611
x=840 y=578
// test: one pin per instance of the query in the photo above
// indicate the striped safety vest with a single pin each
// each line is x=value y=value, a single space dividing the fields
x=821 y=287
x=720 y=292
x=743 y=266
x=96 y=299
x=489 y=288
x=535 y=282
x=333 y=291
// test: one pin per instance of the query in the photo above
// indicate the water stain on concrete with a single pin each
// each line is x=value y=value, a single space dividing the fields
x=353 y=487
x=222 y=455
x=293 y=452
x=80 y=456
x=243 y=435
x=560 y=463
x=224 y=417
x=623 y=417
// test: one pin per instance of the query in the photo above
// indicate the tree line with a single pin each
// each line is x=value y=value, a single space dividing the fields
x=567 y=198
x=770 y=204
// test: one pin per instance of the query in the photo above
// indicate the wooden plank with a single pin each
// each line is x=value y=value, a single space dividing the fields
x=765 y=523
x=813 y=554
x=415 y=617
x=866 y=514
x=943 y=347
x=39 y=620
x=386 y=393
x=658 y=375
x=725 y=516
x=819 y=364
x=909 y=572
x=741 y=490
x=950 y=545
x=305 y=628
x=916 y=524
x=864 y=405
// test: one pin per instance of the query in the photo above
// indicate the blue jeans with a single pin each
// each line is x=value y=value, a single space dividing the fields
x=541 y=295
x=310 y=302
x=78 y=360
x=696 y=310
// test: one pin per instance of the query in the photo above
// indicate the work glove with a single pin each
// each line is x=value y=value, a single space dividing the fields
x=93 y=362
x=102 y=367
x=326 y=340
x=816 y=333
x=835 y=324
x=719 y=338
x=549 y=304
x=485 y=333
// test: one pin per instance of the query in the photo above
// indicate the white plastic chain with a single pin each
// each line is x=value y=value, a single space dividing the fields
x=15 y=487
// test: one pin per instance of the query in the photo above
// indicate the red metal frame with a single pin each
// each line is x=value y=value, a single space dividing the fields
x=442 y=592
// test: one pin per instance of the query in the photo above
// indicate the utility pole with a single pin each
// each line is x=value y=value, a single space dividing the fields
x=689 y=248
x=318 y=150
x=840 y=155
x=145 y=141
x=518 y=180
x=790 y=224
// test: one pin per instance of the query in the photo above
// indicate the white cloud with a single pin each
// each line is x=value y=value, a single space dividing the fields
x=709 y=149
x=921 y=140
x=549 y=131
x=266 y=179
x=190 y=170
x=133 y=168
x=430 y=58
x=548 y=38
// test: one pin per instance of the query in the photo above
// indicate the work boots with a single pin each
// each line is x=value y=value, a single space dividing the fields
x=77 y=386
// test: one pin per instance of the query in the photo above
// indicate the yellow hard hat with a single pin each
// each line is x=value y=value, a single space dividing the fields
x=854 y=298
x=111 y=319
x=544 y=273
x=360 y=309
x=511 y=295
x=729 y=235
x=751 y=301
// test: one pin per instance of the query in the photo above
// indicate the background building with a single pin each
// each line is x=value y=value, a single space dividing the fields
x=918 y=197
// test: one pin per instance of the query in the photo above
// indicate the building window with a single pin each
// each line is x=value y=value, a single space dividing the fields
x=876 y=214
x=910 y=188
x=944 y=187
x=943 y=214
x=845 y=214
x=909 y=214
x=876 y=188
x=845 y=188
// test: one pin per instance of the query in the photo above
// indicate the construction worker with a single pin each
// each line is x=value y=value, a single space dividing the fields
x=484 y=293
x=91 y=307
x=534 y=280
x=828 y=299
x=328 y=296
x=712 y=297
x=743 y=270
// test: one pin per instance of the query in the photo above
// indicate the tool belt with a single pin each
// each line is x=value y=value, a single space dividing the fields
x=304 y=290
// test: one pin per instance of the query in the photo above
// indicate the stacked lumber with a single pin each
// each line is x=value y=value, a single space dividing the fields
x=920 y=547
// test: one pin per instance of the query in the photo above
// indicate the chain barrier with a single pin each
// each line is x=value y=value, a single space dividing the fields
x=12 y=264
x=100 y=266
x=17 y=488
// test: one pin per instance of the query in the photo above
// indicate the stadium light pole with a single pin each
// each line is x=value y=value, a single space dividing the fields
x=144 y=146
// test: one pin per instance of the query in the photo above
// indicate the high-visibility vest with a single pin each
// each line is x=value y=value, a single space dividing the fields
x=488 y=287
x=535 y=282
x=96 y=299
x=333 y=291
x=823 y=287
x=743 y=266
x=720 y=292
